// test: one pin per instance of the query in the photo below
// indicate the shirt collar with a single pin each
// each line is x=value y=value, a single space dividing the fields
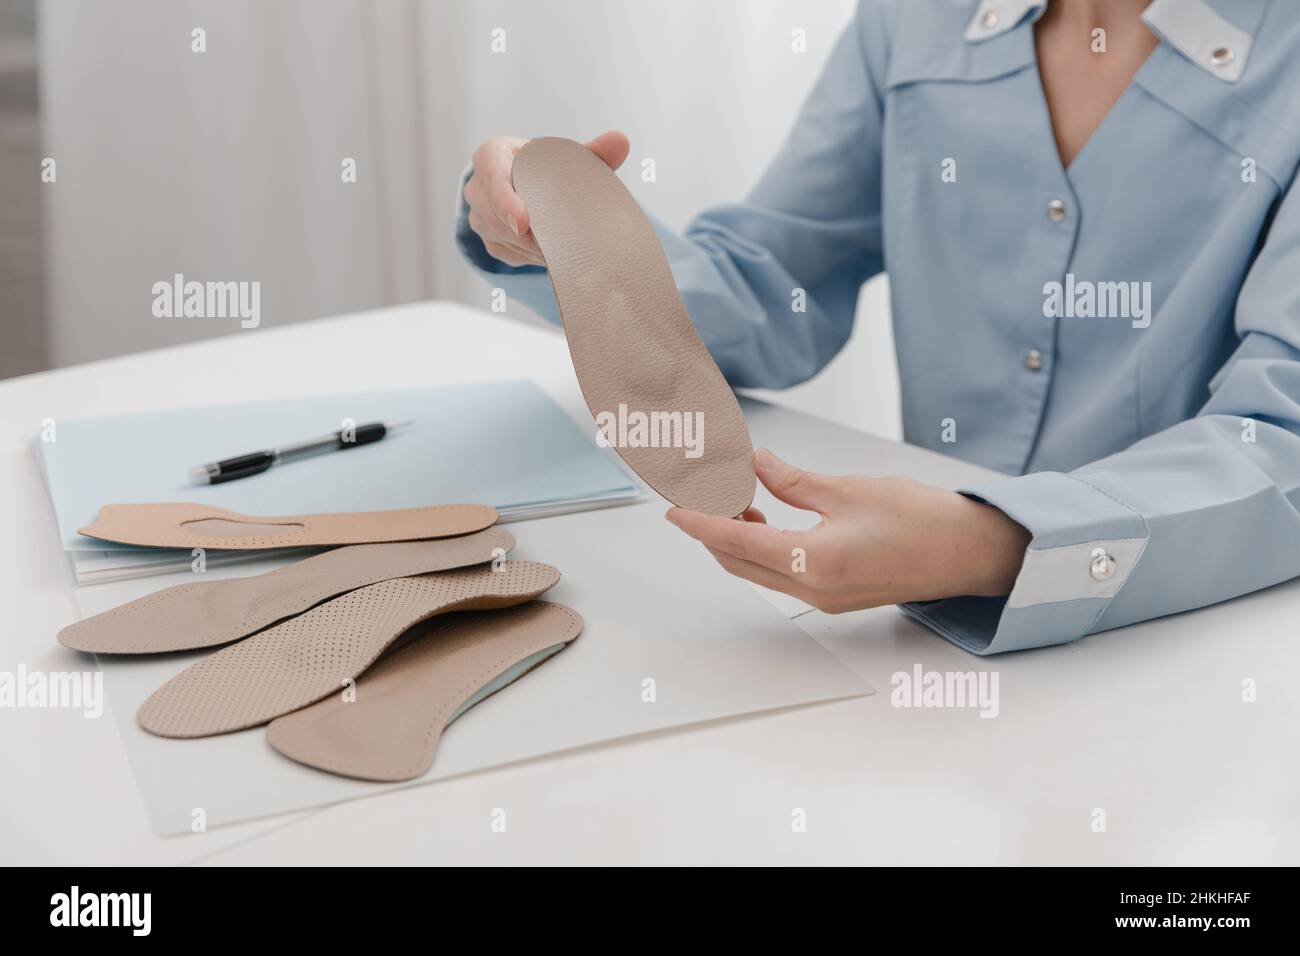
x=995 y=17
x=1198 y=32
x=1193 y=27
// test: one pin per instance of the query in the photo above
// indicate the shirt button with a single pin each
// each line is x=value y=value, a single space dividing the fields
x=1056 y=210
x=1222 y=56
x=1033 y=360
x=990 y=18
x=1103 y=565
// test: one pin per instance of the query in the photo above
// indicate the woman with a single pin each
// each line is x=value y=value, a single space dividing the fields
x=1087 y=214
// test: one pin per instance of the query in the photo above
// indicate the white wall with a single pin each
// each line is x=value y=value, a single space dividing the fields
x=22 y=231
x=225 y=165
x=222 y=165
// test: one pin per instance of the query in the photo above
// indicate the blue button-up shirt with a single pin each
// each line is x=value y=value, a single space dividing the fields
x=1123 y=334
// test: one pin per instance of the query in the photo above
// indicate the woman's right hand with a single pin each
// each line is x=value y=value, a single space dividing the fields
x=498 y=215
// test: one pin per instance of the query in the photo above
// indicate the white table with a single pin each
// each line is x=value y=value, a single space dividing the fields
x=1147 y=723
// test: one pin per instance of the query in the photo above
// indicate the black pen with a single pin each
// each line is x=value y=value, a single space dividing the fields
x=241 y=466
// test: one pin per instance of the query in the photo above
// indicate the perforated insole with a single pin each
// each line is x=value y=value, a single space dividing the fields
x=306 y=657
x=209 y=613
x=408 y=698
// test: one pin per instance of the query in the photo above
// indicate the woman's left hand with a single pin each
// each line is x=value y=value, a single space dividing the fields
x=880 y=541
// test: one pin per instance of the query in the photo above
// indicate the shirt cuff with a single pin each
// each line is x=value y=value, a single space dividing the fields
x=1085 y=545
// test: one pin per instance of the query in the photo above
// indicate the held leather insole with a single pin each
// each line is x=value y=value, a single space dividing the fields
x=306 y=657
x=646 y=376
x=408 y=698
x=208 y=613
x=185 y=525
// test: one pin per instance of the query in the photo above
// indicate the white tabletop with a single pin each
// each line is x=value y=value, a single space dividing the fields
x=1147 y=723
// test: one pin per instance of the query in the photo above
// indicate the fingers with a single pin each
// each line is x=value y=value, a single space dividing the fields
x=510 y=255
x=753 y=514
x=490 y=222
x=751 y=541
x=508 y=252
x=497 y=213
x=794 y=486
x=763 y=576
x=504 y=201
x=612 y=147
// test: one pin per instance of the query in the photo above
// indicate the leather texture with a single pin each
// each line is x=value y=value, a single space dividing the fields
x=632 y=342
x=209 y=613
x=309 y=656
x=403 y=703
x=184 y=525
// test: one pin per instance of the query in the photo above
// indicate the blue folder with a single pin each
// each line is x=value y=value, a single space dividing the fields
x=506 y=444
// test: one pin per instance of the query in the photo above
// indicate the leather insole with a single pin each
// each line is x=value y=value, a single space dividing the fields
x=307 y=657
x=209 y=613
x=185 y=525
x=634 y=347
x=408 y=698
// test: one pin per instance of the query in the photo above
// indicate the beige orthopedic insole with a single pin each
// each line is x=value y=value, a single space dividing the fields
x=648 y=380
x=185 y=525
x=208 y=613
x=306 y=657
x=390 y=727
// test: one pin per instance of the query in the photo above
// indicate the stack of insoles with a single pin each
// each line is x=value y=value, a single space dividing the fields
x=357 y=658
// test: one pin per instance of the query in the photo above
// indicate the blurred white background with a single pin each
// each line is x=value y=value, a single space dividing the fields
x=224 y=165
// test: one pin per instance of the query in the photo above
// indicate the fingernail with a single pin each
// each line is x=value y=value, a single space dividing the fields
x=671 y=514
x=764 y=459
x=514 y=226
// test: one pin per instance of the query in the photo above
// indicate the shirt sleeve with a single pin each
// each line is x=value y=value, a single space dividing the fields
x=772 y=282
x=1201 y=512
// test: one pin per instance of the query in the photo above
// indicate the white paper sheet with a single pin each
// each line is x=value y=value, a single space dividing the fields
x=656 y=606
